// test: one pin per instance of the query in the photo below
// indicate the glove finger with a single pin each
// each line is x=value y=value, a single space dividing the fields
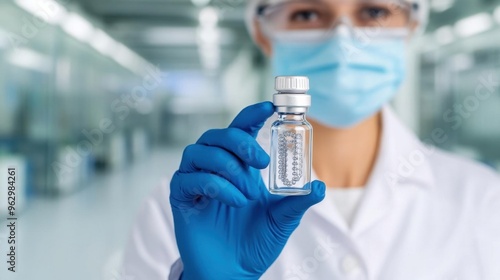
x=223 y=163
x=287 y=212
x=186 y=188
x=252 y=118
x=238 y=142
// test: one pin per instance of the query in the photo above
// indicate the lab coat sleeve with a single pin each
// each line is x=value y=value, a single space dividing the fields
x=151 y=252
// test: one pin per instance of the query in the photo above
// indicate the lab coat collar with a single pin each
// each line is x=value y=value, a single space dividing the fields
x=401 y=163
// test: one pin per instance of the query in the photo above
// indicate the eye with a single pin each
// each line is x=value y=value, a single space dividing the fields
x=374 y=13
x=304 y=16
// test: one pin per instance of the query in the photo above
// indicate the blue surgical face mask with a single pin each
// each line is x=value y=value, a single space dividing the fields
x=350 y=79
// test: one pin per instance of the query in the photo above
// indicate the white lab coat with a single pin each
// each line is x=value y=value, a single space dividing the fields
x=426 y=214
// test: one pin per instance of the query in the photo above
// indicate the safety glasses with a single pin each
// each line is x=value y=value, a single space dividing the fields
x=326 y=15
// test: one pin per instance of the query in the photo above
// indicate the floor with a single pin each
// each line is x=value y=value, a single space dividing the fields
x=81 y=236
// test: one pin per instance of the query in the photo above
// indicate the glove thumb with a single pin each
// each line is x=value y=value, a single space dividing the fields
x=288 y=211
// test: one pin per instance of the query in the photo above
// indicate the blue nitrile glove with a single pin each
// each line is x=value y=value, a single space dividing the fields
x=227 y=225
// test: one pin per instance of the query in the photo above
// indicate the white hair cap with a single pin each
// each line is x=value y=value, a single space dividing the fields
x=251 y=12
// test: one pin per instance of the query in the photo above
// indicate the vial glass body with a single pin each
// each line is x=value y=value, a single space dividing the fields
x=291 y=155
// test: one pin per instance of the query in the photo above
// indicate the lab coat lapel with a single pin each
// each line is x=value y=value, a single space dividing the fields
x=389 y=173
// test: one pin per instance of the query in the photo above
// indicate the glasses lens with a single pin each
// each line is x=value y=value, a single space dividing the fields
x=389 y=14
x=310 y=14
x=298 y=15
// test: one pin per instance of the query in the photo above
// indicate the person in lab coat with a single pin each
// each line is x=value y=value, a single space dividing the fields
x=384 y=205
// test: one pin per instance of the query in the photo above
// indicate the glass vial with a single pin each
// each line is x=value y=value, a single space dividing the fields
x=291 y=138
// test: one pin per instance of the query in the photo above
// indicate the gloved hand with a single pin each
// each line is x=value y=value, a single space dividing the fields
x=227 y=225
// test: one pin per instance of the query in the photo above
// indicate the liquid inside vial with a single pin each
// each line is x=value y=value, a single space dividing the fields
x=290 y=158
x=291 y=139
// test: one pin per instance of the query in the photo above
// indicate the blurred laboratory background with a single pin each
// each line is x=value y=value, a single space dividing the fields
x=98 y=98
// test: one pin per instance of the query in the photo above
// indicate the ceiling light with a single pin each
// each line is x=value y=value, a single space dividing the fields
x=78 y=27
x=209 y=36
x=130 y=60
x=496 y=14
x=103 y=43
x=473 y=25
x=49 y=10
x=81 y=29
x=177 y=36
x=29 y=59
x=183 y=36
x=440 y=6
x=208 y=17
x=200 y=3
x=444 y=35
x=124 y=56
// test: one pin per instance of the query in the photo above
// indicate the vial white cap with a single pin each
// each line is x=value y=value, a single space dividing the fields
x=292 y=84
x=292 y=94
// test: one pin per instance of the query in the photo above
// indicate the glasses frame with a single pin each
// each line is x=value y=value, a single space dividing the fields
x=263 y=10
